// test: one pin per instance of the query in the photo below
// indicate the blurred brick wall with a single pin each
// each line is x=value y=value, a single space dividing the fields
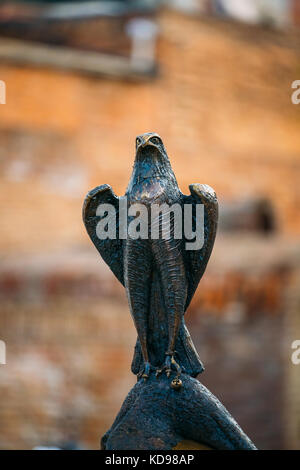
x=67 y=371
x=222 y=104
x=292 y=376
x=70 y=341
x=231 y=126
x=296 y=12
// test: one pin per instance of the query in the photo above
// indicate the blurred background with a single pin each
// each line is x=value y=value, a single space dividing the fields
x=213 y=78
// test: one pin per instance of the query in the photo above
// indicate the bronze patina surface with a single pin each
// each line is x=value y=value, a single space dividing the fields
x=167 y=405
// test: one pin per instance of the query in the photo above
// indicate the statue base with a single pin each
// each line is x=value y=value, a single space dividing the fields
x=155 y=416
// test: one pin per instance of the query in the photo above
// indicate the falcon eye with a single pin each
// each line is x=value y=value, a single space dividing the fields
x=138 y=141
x=155 y=140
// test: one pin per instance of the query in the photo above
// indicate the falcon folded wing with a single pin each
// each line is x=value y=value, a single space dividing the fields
x=111 y=250
x=196 y=260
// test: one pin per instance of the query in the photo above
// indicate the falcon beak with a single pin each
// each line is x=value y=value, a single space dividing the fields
x=145 y=141
x=145 y=148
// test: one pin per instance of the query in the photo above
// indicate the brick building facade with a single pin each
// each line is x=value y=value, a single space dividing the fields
x=222 y=104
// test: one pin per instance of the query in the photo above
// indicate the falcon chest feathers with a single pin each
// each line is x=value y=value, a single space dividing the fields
x=160 y=275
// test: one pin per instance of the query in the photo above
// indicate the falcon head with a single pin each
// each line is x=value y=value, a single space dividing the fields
x=151 y=160
x=149 y=146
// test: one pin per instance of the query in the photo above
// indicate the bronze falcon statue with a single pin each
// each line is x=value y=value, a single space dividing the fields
x=160 y=275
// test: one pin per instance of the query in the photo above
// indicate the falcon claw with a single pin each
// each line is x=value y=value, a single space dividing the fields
x=170 y=364
x=177 y=367
x=145 y=372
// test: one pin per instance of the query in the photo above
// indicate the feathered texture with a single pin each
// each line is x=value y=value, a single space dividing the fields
x=160 y=276
x=110 y=250
x=196 y=261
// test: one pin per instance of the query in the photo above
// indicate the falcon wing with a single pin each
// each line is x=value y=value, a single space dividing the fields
x=196 y=260
x=110 y=250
